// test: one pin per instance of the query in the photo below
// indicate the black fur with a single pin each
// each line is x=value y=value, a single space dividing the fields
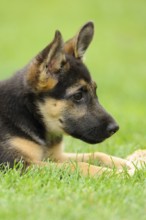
x=82 y=117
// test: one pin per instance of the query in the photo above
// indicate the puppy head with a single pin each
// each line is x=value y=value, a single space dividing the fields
x=66 y=93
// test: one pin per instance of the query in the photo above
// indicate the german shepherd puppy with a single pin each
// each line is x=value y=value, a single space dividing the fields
x=51 y=96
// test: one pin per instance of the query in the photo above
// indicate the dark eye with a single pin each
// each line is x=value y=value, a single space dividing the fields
x=78 y=96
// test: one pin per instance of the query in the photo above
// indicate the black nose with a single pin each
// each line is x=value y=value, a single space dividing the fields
x=112 y=128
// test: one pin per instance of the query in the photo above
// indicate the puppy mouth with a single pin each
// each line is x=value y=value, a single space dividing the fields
x=88 y=139
x=92 y=136
x=94 y=141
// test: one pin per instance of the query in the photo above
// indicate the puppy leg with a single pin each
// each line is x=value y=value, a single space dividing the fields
x=85 y=168
x=104 y=159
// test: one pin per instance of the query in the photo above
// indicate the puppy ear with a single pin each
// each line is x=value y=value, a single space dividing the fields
x=43 y=70
x=53 y=54
x=78 y=45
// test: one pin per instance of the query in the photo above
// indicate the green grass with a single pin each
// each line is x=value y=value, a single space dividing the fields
x=41 y=194
x=116 y=60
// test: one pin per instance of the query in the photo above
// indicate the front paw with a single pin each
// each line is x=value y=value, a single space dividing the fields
x=138 y=159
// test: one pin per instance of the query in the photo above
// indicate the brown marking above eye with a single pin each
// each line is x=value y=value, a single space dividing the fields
x=80 y=85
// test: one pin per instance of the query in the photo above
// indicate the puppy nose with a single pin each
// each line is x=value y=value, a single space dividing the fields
x=112 y=128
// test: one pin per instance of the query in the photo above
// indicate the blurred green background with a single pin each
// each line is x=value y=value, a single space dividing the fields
x=116 y=57
x=117 y=61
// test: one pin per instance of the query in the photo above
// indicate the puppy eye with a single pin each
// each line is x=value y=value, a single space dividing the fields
x=78 y=96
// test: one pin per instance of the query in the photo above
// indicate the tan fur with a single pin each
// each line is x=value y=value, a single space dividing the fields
x=55 y=152
x=52 y=110
x=102 y=158
x=72 y=89
x=43 y=70
x=29 y=149
x=138 y=158
x=35 y=152
x=38 y=79
x=69 y=46
x=90 y=170
x=85 y=169
x=45 y=83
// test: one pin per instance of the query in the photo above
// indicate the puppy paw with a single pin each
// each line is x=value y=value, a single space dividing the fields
x=138 y=159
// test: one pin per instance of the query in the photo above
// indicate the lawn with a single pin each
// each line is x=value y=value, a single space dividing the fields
x=117 y=61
